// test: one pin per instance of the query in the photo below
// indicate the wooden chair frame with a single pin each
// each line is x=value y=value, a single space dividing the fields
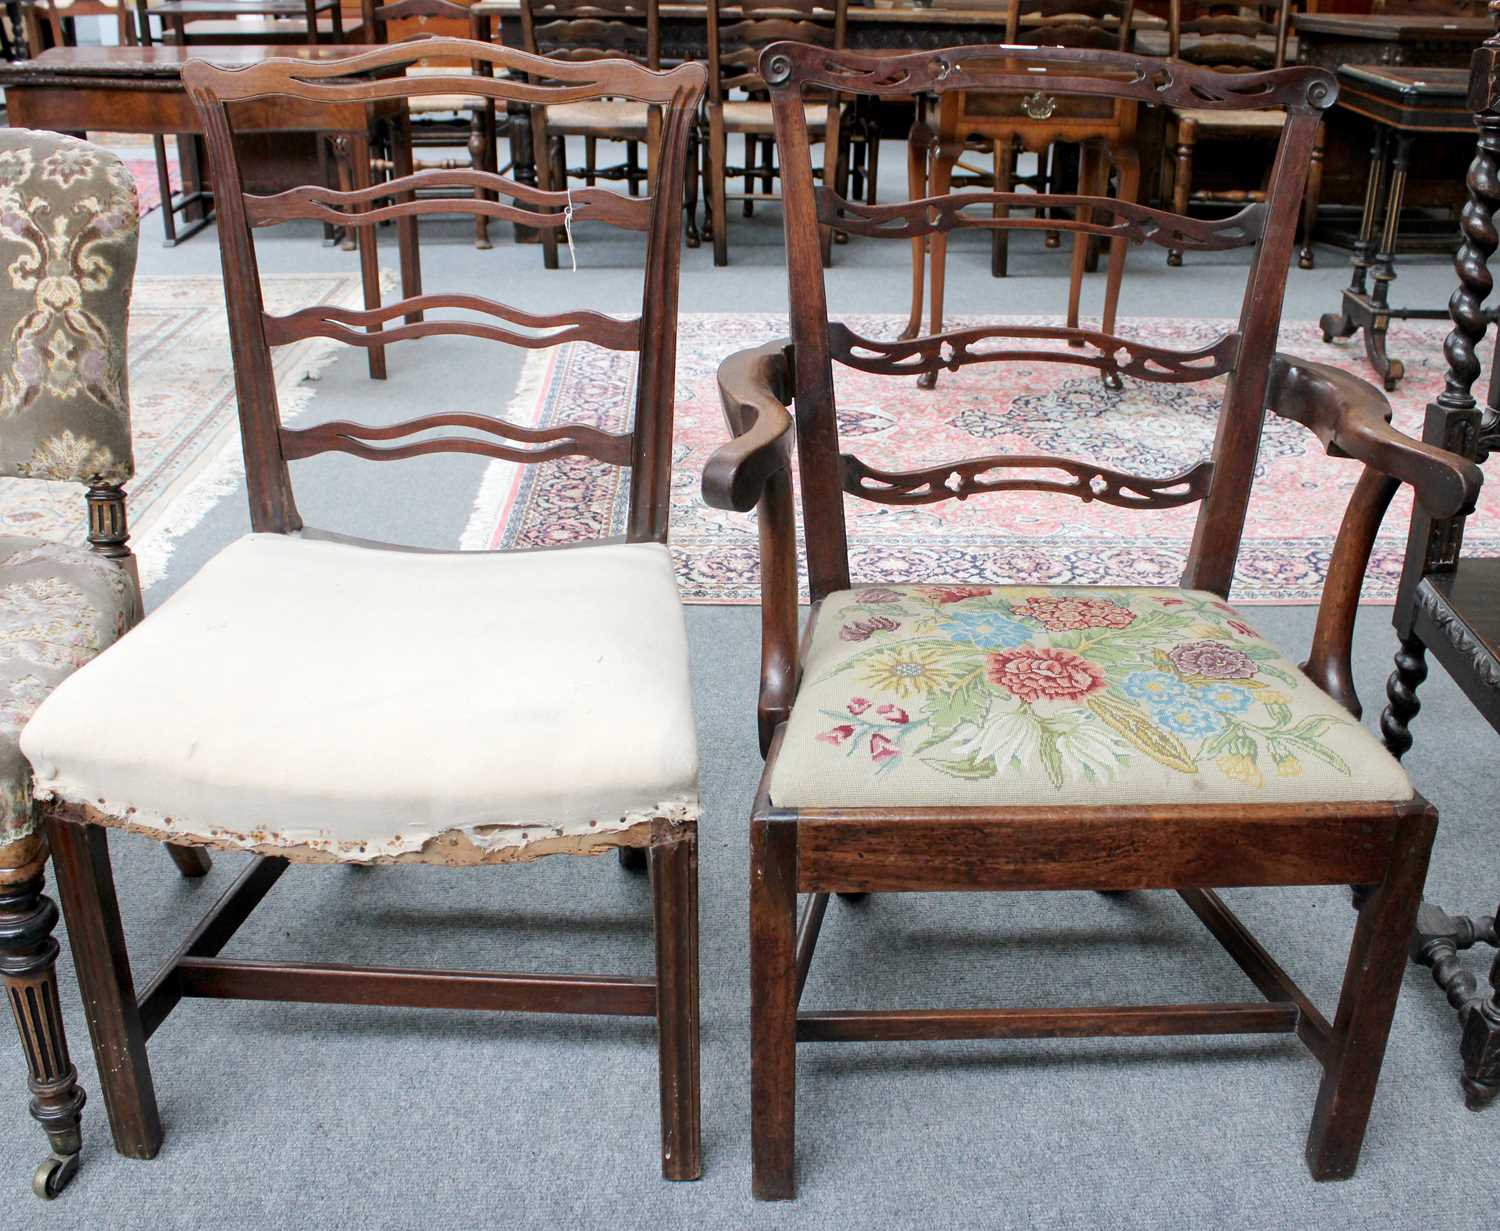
x=733 y=53
x=121 y=1021
x=1192 y=849
x=1228 y=43
x=579 y=32
x=478 y=140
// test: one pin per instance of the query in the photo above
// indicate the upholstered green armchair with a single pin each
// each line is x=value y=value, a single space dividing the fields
x=68 y=235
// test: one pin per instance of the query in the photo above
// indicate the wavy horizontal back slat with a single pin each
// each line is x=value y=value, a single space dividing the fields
x=1110 y=74
x=565 y=440
x=1137 y=223
x=344 y=207
x=975 y=476
x=345 y=81
x=960 y=347
x=548 y=328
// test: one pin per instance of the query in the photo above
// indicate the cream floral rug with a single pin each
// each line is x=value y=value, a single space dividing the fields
x=183 y=412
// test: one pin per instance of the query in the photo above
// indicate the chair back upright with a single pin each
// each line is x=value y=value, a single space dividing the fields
x=226 y=98
x=1245 y=355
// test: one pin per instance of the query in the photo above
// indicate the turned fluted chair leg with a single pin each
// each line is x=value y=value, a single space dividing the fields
x=28 y=965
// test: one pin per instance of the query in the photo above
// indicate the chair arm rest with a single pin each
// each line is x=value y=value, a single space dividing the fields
x=755 y=387
x=1352 y=419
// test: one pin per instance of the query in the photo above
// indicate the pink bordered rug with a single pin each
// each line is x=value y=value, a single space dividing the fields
x=1022 y=538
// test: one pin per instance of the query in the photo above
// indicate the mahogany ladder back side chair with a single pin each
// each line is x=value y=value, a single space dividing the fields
x=738 y=30
x=1003 y=737
x=314 y=698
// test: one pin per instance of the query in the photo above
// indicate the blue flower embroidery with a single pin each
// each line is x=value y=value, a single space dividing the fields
x=1226 y=698
x=1153 y=686
x=986 y=630
x=1185 y=716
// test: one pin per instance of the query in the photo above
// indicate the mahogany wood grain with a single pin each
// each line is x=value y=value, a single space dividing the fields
x=1117 y=1021
x=331 y=983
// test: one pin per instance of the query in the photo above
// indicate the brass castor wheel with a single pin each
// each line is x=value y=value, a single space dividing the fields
x=1111 y=379
x=632 y=858
x=54 y=1175
x=1174 y=260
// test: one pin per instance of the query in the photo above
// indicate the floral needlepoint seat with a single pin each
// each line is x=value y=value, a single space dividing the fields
x=946 y=695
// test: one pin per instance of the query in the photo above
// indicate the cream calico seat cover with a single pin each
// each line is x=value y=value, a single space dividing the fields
x=1015 y=696
x=326 y=700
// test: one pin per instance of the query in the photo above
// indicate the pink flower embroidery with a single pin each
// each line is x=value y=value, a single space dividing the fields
x=863 y=630
x=1210 y=658
x=878 y=594
x=894 y=713
x=1171 y=602
x=858 y=705
x=882 y=747
x=839 y=736
x=955 y=594
x=1243 y=629
x=1060 y=614
x=1044 y=674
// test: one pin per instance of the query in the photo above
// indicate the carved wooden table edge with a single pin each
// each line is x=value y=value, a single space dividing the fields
x=1452 y=606
x=1400 y=104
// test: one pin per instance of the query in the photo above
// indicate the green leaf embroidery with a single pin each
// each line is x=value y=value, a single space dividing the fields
x=1051 y=757
x=963 y=769
x=1135 y=726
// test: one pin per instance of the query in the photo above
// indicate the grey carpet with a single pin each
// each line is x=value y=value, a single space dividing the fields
x=296 y=1116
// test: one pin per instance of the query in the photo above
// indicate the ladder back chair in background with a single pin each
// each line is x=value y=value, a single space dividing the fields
x=70 y=246
x=1035 y=119
x=372 y=679
x=737 y=32
x=443 y=121
x=1242 y=39
x=941 y=738
x=581 y=31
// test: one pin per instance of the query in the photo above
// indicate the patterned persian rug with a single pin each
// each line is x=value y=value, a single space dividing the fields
x=184 y=415
x=1021 y=538
x=147 y=186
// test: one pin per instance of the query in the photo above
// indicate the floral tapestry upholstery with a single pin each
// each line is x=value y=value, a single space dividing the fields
x=59 y=606
x=1010 y=695
x=68 y=233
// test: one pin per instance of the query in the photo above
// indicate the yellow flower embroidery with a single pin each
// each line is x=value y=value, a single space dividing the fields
x=907 y=670
x=1289 y=767
x=1241 y=769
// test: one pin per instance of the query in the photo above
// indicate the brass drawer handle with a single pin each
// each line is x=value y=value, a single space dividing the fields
x=1039 y=106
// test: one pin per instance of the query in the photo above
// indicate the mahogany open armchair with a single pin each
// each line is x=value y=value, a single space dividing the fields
x=997 y=737
x=69 y=244
x=313 y=698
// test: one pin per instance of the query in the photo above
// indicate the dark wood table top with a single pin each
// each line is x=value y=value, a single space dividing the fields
x=1410 y=83
x=159 y=60
x=1396 y=28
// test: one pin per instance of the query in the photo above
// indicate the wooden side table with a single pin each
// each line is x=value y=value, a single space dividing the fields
x=1450 y=606
x=1401 y=104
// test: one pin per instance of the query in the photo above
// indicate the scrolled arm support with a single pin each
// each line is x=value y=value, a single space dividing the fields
x=1352 y=419
x=752 y=471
